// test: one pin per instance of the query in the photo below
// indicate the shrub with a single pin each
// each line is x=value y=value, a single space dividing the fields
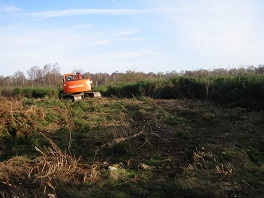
x=150 y=88
x=122 y=90
x=17 y=92
x=6 y=91
x=32 y=92
x=245 y=90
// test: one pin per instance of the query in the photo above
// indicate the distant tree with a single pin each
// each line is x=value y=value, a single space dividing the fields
x=19 y=79
x=201 y=73
x=2 y=80
x=32 y=74
x=189 y=73
x=161 y=75
x=47 y=74
x=115 y=76
x=56 y=75
x=251 y=69
x=260 y=69
x=8 y=81
x=52 y=74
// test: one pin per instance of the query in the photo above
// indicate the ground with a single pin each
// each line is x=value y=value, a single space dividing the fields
x=137 y=147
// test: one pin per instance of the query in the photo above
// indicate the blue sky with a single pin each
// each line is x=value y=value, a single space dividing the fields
x=121 y=35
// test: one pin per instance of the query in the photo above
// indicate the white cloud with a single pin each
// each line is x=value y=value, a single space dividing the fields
x=9 y=9
x=76 y=12
x=128 y=32
x=110 y=41
x=126 y=54
x=218 y=32
x=69 y=46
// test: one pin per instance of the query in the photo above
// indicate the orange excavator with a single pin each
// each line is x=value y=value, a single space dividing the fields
x=76 y=87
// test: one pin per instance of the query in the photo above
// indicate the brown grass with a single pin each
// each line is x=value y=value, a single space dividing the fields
x=42 y=175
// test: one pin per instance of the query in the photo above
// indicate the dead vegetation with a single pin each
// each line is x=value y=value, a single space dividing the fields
x=129 y=148
x=39 y=177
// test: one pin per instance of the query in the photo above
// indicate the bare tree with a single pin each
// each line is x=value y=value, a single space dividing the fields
x=19 y=79
x=8 y=81
x=56 y=76
x=32 y=74
x=2 y=80
x=260 y=69
x=47 y=74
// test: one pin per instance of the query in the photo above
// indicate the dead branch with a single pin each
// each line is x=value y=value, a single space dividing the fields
x=121 y=139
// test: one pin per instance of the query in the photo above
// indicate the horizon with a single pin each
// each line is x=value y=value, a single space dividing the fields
x=119 y=35
x=182 y=72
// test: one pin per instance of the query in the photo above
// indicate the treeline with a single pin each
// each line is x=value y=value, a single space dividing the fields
x=246 y=91
x=50 y=76
x=242 y=87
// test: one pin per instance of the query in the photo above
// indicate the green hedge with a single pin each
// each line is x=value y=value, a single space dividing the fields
x=32 y=92
x=6 y=91
x=177 y=87
x=244 y=91
x=129 y=90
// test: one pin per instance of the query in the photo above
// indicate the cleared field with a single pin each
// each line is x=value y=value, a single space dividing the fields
x=138 y=147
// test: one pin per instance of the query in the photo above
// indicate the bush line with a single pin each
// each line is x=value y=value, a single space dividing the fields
x=246 y=90
x=35 y=92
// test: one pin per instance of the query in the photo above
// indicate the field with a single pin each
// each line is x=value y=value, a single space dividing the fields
x=129 y=147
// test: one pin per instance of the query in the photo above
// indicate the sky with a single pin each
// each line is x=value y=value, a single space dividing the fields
x=139 y=35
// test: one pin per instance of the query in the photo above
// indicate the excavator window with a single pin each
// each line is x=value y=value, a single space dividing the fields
x=68 y=78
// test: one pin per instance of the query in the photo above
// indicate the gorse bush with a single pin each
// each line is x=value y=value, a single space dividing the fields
x=184 y=87
x=6 y=91
x=32 y=92
x=150 y=88
x=177 y=87
x=141 y=88
x=244 y=90
x=126 y=90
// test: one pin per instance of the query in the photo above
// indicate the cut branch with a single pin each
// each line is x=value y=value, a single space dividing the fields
x=121 y=139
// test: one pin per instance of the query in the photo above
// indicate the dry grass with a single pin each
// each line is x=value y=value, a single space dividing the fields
x=193 y=148
x=22 y=177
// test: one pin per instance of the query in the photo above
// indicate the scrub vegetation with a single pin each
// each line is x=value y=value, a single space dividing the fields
x=129 y=147
x=189 y=135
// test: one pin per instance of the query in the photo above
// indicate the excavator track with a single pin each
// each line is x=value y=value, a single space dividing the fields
x=96 y=94
x=81 y=96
